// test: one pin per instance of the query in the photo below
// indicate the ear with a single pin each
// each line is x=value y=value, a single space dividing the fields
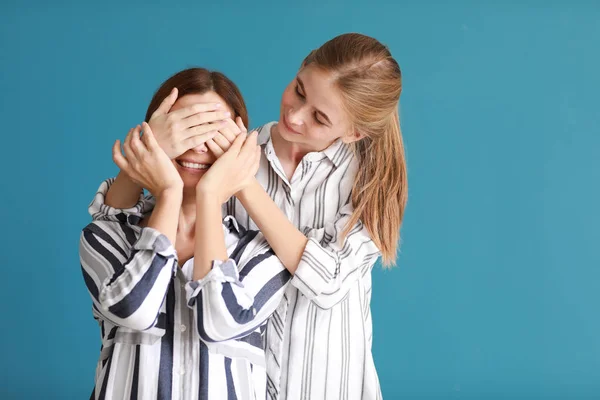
x=352 y=137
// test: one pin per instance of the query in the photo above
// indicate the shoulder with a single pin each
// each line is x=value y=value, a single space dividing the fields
x=264 y=132
x=110 y=233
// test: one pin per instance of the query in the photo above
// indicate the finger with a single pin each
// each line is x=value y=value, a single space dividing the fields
x=222 y=141
x=232 y=126
x=240 y=124
x=248 y=152
x=127 y=143
x=166 y=104
x=230 y=130
x=136 y=143
x=198 y=108
x=248 y=157
x=237 y=144
x=250 y=160
x=198 y=140
x=202 y=129
x=249 y=146
x=216 y=150
x=144 y=136
x=258 y=153
x=255 y=162
x=122 y=162
x=148 y=137
x=201 y=118
x=118 y=157
x=128 y=137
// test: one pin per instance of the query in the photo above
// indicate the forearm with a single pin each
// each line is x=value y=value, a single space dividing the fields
x=165 y=216
x=210 y=241
x=240 y=294
x=113 y=270
x=283 y=237
x=123 y=193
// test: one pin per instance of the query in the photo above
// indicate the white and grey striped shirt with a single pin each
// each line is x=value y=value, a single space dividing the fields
x=165 y=336
x=319 y=339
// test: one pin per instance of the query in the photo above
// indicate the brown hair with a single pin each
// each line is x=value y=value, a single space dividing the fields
x=200 y=81
x=370 y=82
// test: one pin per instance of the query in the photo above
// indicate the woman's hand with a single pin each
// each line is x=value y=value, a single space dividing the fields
x=146 y=163
x=233 y=170
x=190 y=127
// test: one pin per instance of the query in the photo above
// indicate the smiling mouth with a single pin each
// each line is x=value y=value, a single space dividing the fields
x=194 y=166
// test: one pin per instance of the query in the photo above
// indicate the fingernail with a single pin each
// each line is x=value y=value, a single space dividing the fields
x=228 y=114
x=218 y=105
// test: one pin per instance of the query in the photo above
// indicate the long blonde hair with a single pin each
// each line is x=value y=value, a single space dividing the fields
x=370 y=82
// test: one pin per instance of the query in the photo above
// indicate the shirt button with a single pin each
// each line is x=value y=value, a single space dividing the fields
x=183 y=328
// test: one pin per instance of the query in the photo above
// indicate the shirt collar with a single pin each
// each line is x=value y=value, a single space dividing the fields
x=336 y=152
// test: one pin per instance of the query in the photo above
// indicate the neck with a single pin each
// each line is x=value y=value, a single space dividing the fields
x=187 y=215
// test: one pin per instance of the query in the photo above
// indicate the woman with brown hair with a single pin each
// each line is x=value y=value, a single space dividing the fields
x=181 y=297
x=329 y=197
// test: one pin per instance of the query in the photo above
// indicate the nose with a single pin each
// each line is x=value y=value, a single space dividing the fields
x=295 y=117
x=200 y=149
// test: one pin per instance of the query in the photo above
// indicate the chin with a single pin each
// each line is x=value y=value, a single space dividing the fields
x=190 y=182
x=285 y=134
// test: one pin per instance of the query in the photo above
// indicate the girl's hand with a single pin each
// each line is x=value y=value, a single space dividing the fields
x=190 y=127
x=232 y=171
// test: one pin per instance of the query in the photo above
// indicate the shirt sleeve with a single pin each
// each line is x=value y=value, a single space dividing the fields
x=330 y=265
x=239 y=294
x=127 y=274
x=101 y=212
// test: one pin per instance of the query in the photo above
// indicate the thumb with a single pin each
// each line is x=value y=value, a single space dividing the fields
x=166 y=104
x=237 y=144
x=240 y=124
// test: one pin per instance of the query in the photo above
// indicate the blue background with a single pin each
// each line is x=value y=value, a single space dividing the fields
x=497 y=291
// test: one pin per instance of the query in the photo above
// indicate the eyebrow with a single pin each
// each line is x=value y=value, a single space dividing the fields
x=316 y=109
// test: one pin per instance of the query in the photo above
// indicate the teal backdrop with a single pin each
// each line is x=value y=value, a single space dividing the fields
x=497 y=289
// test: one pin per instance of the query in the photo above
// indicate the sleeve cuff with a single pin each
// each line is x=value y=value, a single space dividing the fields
x=153 y=240
x=100 y=211
x=222 y=271
x=317 y=266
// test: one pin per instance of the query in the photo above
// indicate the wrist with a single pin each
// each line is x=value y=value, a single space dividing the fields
x=208 y=195
x=208 y=199
x=206 y=191
x=172 y=193
x=247 y=190
x=130 y=182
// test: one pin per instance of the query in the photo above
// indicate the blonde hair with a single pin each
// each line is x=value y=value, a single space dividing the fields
x=370 y=82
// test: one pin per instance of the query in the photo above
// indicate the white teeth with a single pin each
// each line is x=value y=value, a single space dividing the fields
x=193 y=165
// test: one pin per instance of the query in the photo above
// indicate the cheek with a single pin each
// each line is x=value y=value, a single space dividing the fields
x=321 y=134
x=288 y=98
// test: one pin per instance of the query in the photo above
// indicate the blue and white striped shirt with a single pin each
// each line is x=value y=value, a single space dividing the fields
x=165 y=336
